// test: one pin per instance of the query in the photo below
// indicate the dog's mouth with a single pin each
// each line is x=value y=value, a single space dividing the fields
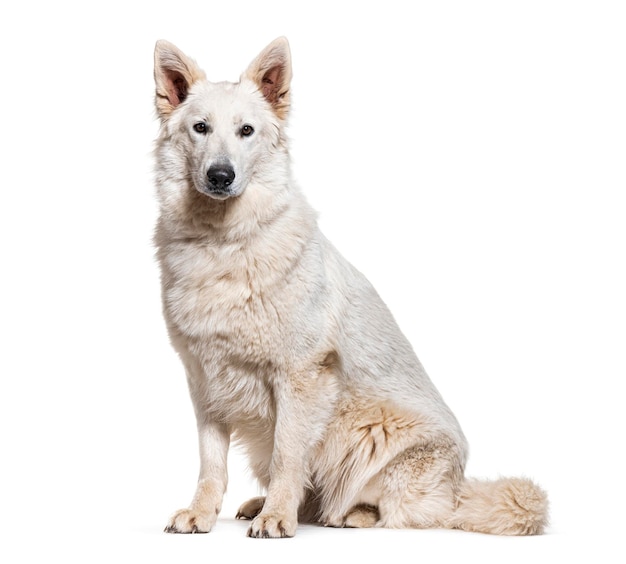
x=217 y=193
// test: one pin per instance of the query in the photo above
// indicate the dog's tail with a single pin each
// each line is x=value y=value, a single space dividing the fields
x=507 y=506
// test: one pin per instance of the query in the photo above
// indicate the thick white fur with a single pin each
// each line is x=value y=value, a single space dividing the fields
x=287 y=348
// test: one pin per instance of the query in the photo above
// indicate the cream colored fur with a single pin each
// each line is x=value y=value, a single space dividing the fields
x=288 y=349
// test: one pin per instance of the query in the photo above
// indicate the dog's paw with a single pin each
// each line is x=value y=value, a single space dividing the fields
x=272 y=526
x=362 y=516
x=251 y=508
x=190 y=521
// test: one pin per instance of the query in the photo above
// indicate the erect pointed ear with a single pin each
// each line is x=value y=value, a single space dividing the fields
x=271 y=72
x=174 y=73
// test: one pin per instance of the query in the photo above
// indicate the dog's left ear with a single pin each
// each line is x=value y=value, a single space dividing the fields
x=271 y=72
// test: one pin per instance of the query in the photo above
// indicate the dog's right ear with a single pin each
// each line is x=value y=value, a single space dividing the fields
x=174 y=73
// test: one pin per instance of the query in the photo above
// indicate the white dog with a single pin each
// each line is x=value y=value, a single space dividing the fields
x=287 y=348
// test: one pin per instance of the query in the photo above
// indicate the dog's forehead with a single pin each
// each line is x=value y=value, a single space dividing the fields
x=225 y=98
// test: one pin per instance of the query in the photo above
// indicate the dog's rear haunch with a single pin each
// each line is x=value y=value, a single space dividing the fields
x=287 y=348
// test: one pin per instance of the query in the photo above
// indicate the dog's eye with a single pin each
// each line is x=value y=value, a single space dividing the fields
x=200 y=127
x=247 y=130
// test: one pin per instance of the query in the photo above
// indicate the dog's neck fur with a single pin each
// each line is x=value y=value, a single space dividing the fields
x=237 y=238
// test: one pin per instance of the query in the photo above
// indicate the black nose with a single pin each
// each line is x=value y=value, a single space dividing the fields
x=220 y=176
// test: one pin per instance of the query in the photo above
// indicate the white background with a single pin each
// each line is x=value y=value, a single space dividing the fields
x=468 y=157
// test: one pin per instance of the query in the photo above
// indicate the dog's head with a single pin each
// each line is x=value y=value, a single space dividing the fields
x=222 y=134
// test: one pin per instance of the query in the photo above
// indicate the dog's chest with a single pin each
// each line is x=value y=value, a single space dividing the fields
x=232 y=313
x=228 y=300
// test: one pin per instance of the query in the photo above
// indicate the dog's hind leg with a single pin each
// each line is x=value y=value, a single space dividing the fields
x=418 y=488
x=371 y=455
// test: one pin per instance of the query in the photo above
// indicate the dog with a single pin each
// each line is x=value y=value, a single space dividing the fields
x=288 y=349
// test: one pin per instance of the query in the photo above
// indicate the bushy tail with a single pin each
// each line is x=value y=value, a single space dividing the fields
x=508 y=506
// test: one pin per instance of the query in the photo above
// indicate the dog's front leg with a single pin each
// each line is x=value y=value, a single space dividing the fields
x=297 y=408
x=202 y=513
